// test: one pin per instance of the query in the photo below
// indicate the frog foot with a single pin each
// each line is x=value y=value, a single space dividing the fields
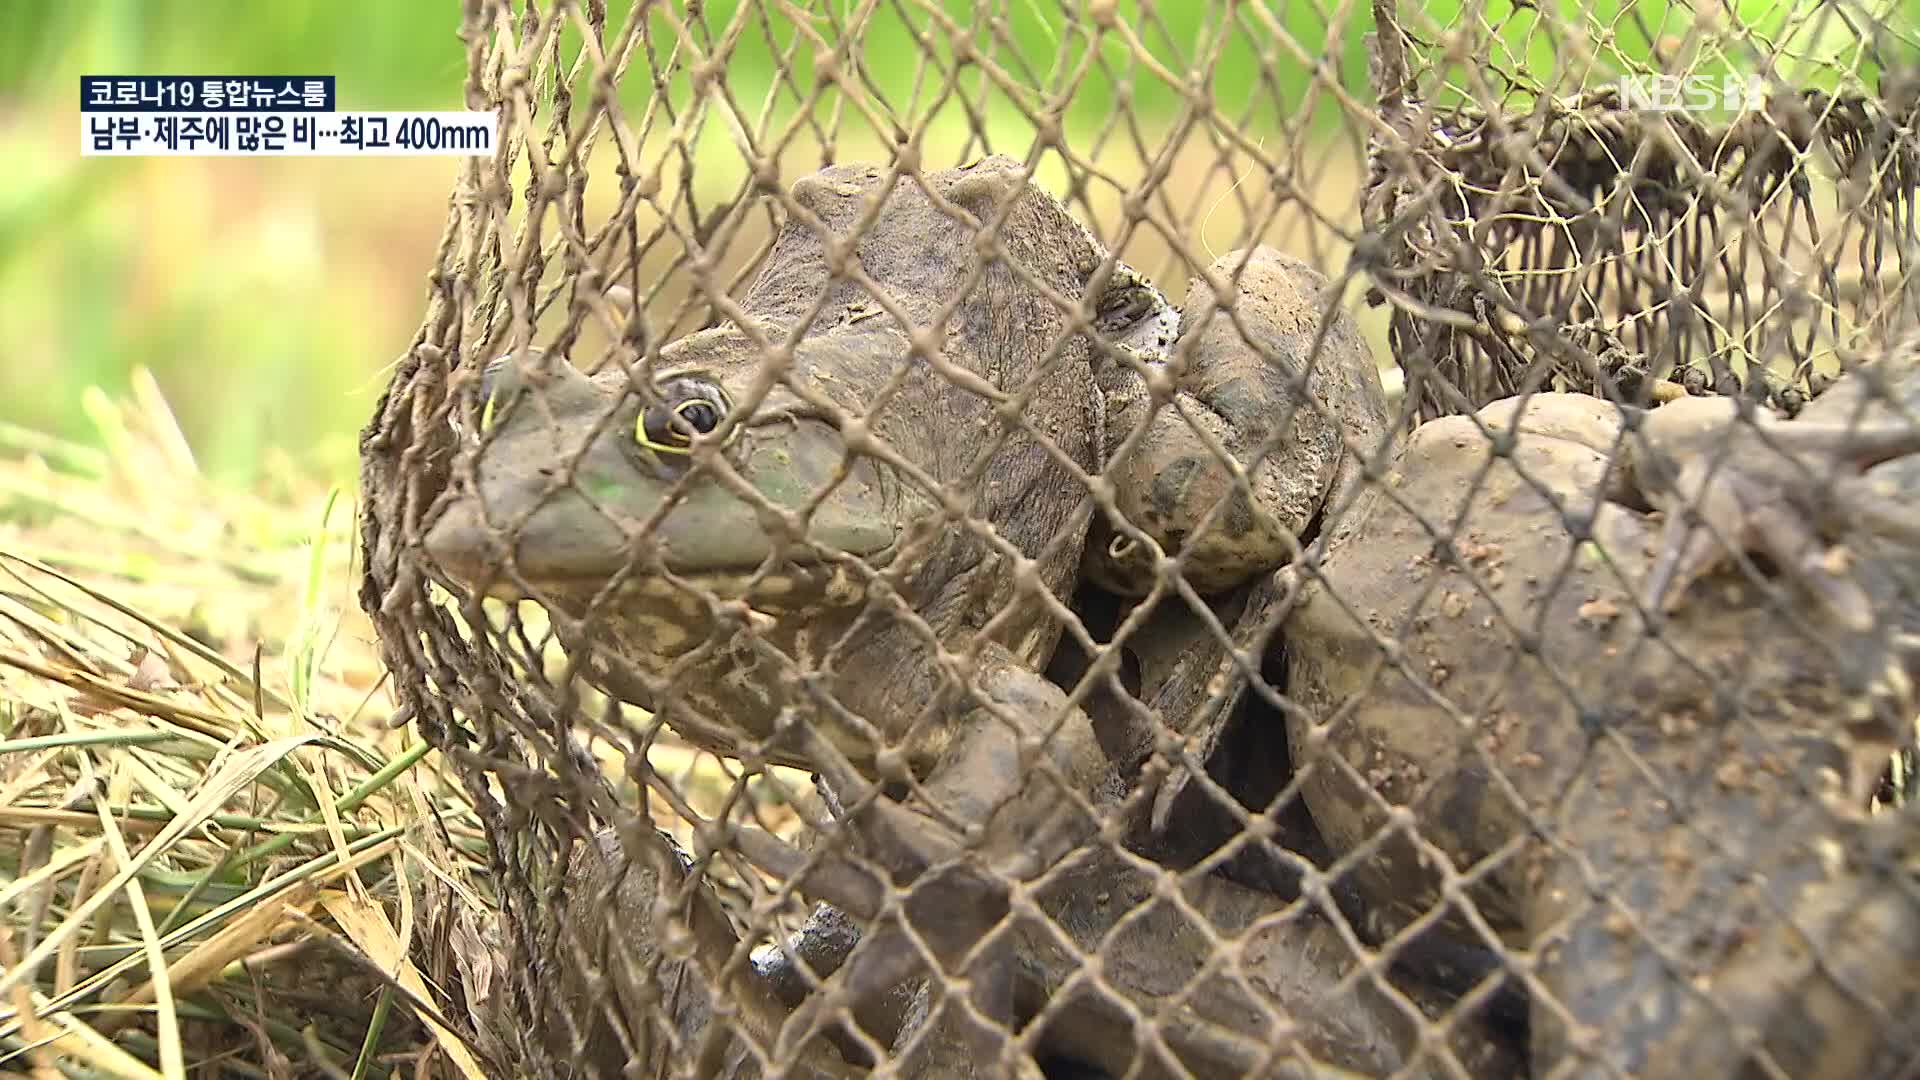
x=1732 y=484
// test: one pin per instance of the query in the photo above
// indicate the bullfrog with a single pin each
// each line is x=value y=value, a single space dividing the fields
x=839 y=529
x=1630 y=741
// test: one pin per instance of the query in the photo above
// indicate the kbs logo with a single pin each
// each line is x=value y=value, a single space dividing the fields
x=1693 y=93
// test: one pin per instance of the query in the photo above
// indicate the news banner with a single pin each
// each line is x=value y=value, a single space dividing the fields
x=272 y=115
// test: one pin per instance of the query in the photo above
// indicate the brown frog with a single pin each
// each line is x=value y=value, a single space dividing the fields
x=838 y=530
x=1637 y=750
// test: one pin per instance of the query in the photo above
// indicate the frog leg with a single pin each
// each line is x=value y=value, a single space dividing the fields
x=1014 y=784
x=1255 y=398
x=949 y=909
x=1730 y=484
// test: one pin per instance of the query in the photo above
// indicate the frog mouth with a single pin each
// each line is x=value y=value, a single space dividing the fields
x=784 y=587
x=579 y=536
x=570 y=546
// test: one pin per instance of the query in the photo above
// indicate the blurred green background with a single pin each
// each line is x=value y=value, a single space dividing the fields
x=266 y=294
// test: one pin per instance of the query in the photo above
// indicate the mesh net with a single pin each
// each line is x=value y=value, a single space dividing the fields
x=886 y=624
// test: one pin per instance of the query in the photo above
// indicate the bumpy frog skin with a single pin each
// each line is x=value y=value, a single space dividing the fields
x=1664 y=821
x=925 y=509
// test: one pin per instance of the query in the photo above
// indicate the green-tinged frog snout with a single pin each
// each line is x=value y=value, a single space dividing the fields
x=571 y=472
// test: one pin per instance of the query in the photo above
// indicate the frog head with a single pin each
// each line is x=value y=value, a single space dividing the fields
x=579 y=480
x=903 y=397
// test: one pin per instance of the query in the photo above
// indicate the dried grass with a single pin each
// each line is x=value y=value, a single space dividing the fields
x=211 y=834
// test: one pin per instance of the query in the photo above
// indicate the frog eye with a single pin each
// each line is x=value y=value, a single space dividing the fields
x=699 y=414
x=496 y=392
x=486 y=412
x=692 y=407
x=495 y=396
